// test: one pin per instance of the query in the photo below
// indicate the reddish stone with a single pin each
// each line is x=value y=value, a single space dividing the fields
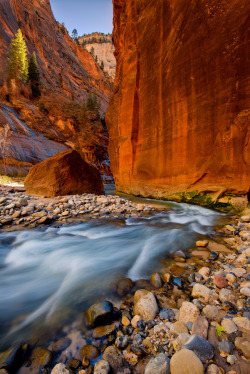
x=220 y=281
x=63 y=174
x=179 y=117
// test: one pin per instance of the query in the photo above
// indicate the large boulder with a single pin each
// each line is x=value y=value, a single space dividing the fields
x=66 y=173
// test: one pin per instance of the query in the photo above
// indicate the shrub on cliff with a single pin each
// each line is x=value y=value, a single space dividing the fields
x=34 y=76
x=18 y=62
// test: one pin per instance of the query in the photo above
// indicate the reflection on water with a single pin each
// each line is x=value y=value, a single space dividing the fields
x=67 y=268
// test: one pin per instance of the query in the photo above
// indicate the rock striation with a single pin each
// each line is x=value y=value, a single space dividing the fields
x=179 y=117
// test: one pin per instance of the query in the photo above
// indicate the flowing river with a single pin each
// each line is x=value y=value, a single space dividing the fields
x=51 y=274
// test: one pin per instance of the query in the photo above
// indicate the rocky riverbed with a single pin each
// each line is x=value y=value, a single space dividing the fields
x=20 y=209
x=192 y=317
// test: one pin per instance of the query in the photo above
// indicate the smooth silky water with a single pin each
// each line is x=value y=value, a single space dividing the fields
x=49 y=276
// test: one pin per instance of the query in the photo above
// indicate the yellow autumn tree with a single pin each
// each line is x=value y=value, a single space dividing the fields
x=18 y=62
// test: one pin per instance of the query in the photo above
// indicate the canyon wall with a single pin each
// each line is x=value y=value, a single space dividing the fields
x=103 y=50
x=179 y=120
x=65 y=67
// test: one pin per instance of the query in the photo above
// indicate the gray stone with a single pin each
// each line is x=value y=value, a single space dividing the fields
x=158 y=365
x=122 y=342
x=226 y=347
x=167 y=314
x=201 y=347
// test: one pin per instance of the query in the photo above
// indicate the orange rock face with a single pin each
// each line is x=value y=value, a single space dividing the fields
x=65 y=67
x=179 y=120
x=66 y=173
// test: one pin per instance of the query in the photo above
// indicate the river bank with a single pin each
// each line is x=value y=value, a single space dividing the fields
x=193 y=314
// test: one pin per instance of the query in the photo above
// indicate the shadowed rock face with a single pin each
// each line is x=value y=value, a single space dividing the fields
x=66 y=68
x=66 y=173
x=179 y=117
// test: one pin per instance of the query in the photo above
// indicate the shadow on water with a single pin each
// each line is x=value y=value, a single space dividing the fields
x=49 y=274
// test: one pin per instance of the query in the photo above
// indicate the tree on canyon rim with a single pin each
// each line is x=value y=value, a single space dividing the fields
x=34 y=76
x=18 y=62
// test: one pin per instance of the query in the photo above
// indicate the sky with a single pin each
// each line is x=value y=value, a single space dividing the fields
x=86 y=16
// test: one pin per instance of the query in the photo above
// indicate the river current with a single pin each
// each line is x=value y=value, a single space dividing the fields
x=47 y=274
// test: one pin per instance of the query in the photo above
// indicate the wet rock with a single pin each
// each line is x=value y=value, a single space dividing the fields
x=137 y=351
x=11 y=358
x=220 y=281
x=90 y=352
x=125 y=286
x=226 y=347
x=102 y=367
x=156 y=280
x=145 y=305
x=229 y=326
x=60 y=369
x=61 y=345
x=122 y=342
x=102 y=331
x=185 y=361
x=238 y=272
x=130 y=357
x=213 y=256
x=202 y=243
x=177 y=282
x=202 y=291
x=99 y=313
x=3 y=371
x=200 y=327
x=188 y=312
x=114 y=358
x=40 y=358
x=180 y=256
x=125 y=321
x=231 y=359
x=201 y=347
x=167 y=314
x=75 y=364
x=158 y=365
x=243 y=345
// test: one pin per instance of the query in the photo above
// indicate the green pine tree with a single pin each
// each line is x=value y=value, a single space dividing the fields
x=34 y=76
x=18 y=62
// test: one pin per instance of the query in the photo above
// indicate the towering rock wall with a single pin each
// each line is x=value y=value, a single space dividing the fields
x=103 y=50
x=66 y=67
x=179 y=120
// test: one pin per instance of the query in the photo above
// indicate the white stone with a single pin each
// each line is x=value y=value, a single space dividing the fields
x=60 y=369
x=146 y=305
x=188 y=312
x=245 y=291
x=202 y=291
x=242 y=322
x=102 y=367
x=229 y=326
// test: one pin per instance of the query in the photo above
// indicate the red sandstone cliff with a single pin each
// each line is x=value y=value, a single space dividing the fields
x=66 y=67
x=179 y=118
x=67 y=73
